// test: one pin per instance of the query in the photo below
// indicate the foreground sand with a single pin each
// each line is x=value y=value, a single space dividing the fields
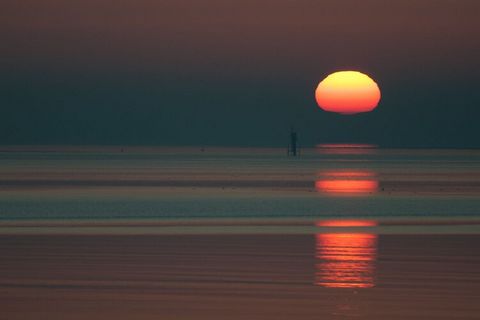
x=303 y=276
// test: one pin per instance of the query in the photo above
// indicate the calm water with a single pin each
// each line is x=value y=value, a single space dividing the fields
x=326 y=275
x=173 y=233
x=238 y=183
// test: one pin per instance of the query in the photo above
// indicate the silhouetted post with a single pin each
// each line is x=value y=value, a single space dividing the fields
x=292 y=148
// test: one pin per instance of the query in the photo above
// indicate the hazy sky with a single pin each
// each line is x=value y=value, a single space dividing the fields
x=219 y=72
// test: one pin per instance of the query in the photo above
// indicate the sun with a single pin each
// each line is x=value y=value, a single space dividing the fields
x=347 y=92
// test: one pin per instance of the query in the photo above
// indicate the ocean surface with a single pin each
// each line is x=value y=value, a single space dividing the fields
x=183 y=183
x=341 y=231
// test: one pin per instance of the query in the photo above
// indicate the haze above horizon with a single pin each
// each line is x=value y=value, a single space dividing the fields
x=218 y=73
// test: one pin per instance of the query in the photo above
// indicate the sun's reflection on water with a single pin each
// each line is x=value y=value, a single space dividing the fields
x=347 y=182
x=345 y=260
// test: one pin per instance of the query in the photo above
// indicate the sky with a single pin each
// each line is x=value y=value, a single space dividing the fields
x=236 y=73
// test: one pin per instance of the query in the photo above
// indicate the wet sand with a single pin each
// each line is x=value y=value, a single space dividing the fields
x=307 y=276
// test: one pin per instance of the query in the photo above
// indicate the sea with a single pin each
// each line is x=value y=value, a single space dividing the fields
x=338 y=231
x=330 y=181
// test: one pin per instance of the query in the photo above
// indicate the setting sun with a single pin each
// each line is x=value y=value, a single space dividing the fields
x=347 y=92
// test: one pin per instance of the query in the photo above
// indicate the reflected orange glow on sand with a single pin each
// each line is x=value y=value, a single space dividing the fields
x=345 y=260
x=347 y=182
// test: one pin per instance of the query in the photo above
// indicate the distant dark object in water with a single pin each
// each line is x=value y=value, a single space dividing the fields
x=292 y=149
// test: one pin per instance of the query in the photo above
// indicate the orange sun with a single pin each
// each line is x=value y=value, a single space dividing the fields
x=347 y=92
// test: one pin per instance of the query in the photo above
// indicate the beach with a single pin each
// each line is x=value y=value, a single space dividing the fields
x=172 y=233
